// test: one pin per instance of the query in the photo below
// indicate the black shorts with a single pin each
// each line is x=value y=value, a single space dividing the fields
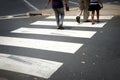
x=94 y=7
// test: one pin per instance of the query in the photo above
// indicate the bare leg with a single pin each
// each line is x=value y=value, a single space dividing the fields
x=85 y=15
x=79 y=13
x=92 y=15
x=86 y=12
x=97 y=16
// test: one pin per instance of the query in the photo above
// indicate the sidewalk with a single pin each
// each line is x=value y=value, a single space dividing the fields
x=108 y=9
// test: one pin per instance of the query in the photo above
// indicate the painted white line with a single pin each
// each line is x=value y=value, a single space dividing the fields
x=12 y=17
x=69 y=23
x=32 y=6
x=58 y=46
x=73 y=2
x=69 y=33
x=74 y=17
x=28 y=65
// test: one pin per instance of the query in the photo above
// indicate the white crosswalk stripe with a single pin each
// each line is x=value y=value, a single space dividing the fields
x=40 y=67
x=28 y=65
x=41 y=44
x=72 y=23
x=69 y=33
x=69 y=23
x=73 y=17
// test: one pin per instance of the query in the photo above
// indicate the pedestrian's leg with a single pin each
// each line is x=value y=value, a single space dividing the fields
x=81 y=7
x=86 y=15
x=86 y=12
x=62 y=15
x=97 y=15
x=92 y=16
x=78 y=16
x=57 y=16
x=80 y=13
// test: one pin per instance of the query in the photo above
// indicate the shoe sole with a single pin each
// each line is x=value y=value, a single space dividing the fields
x=78 y=19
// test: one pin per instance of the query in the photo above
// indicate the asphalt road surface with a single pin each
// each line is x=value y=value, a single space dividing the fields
x=34 y=49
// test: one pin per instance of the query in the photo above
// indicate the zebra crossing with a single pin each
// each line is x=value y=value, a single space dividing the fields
x=40 y=67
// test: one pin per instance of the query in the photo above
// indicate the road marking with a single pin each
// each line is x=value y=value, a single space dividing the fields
x=73 y=23
x=28 y=65
x=74 y=17
x=32 y=6
x=70 y=33
x=69 y=23
x=67 y=47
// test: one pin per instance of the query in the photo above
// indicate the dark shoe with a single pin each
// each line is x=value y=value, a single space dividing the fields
x=60 y=27
x=87 y=21
x=93 y=23
x=97 y=21
x=78 y=19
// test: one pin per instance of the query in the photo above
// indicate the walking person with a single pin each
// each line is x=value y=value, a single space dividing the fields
x=83 y=6
x=95 y=5
x=58 y=8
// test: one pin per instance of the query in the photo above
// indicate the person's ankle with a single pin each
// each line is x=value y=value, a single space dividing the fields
x=98 y=20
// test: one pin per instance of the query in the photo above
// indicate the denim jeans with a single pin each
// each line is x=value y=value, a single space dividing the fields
x=59 y=14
